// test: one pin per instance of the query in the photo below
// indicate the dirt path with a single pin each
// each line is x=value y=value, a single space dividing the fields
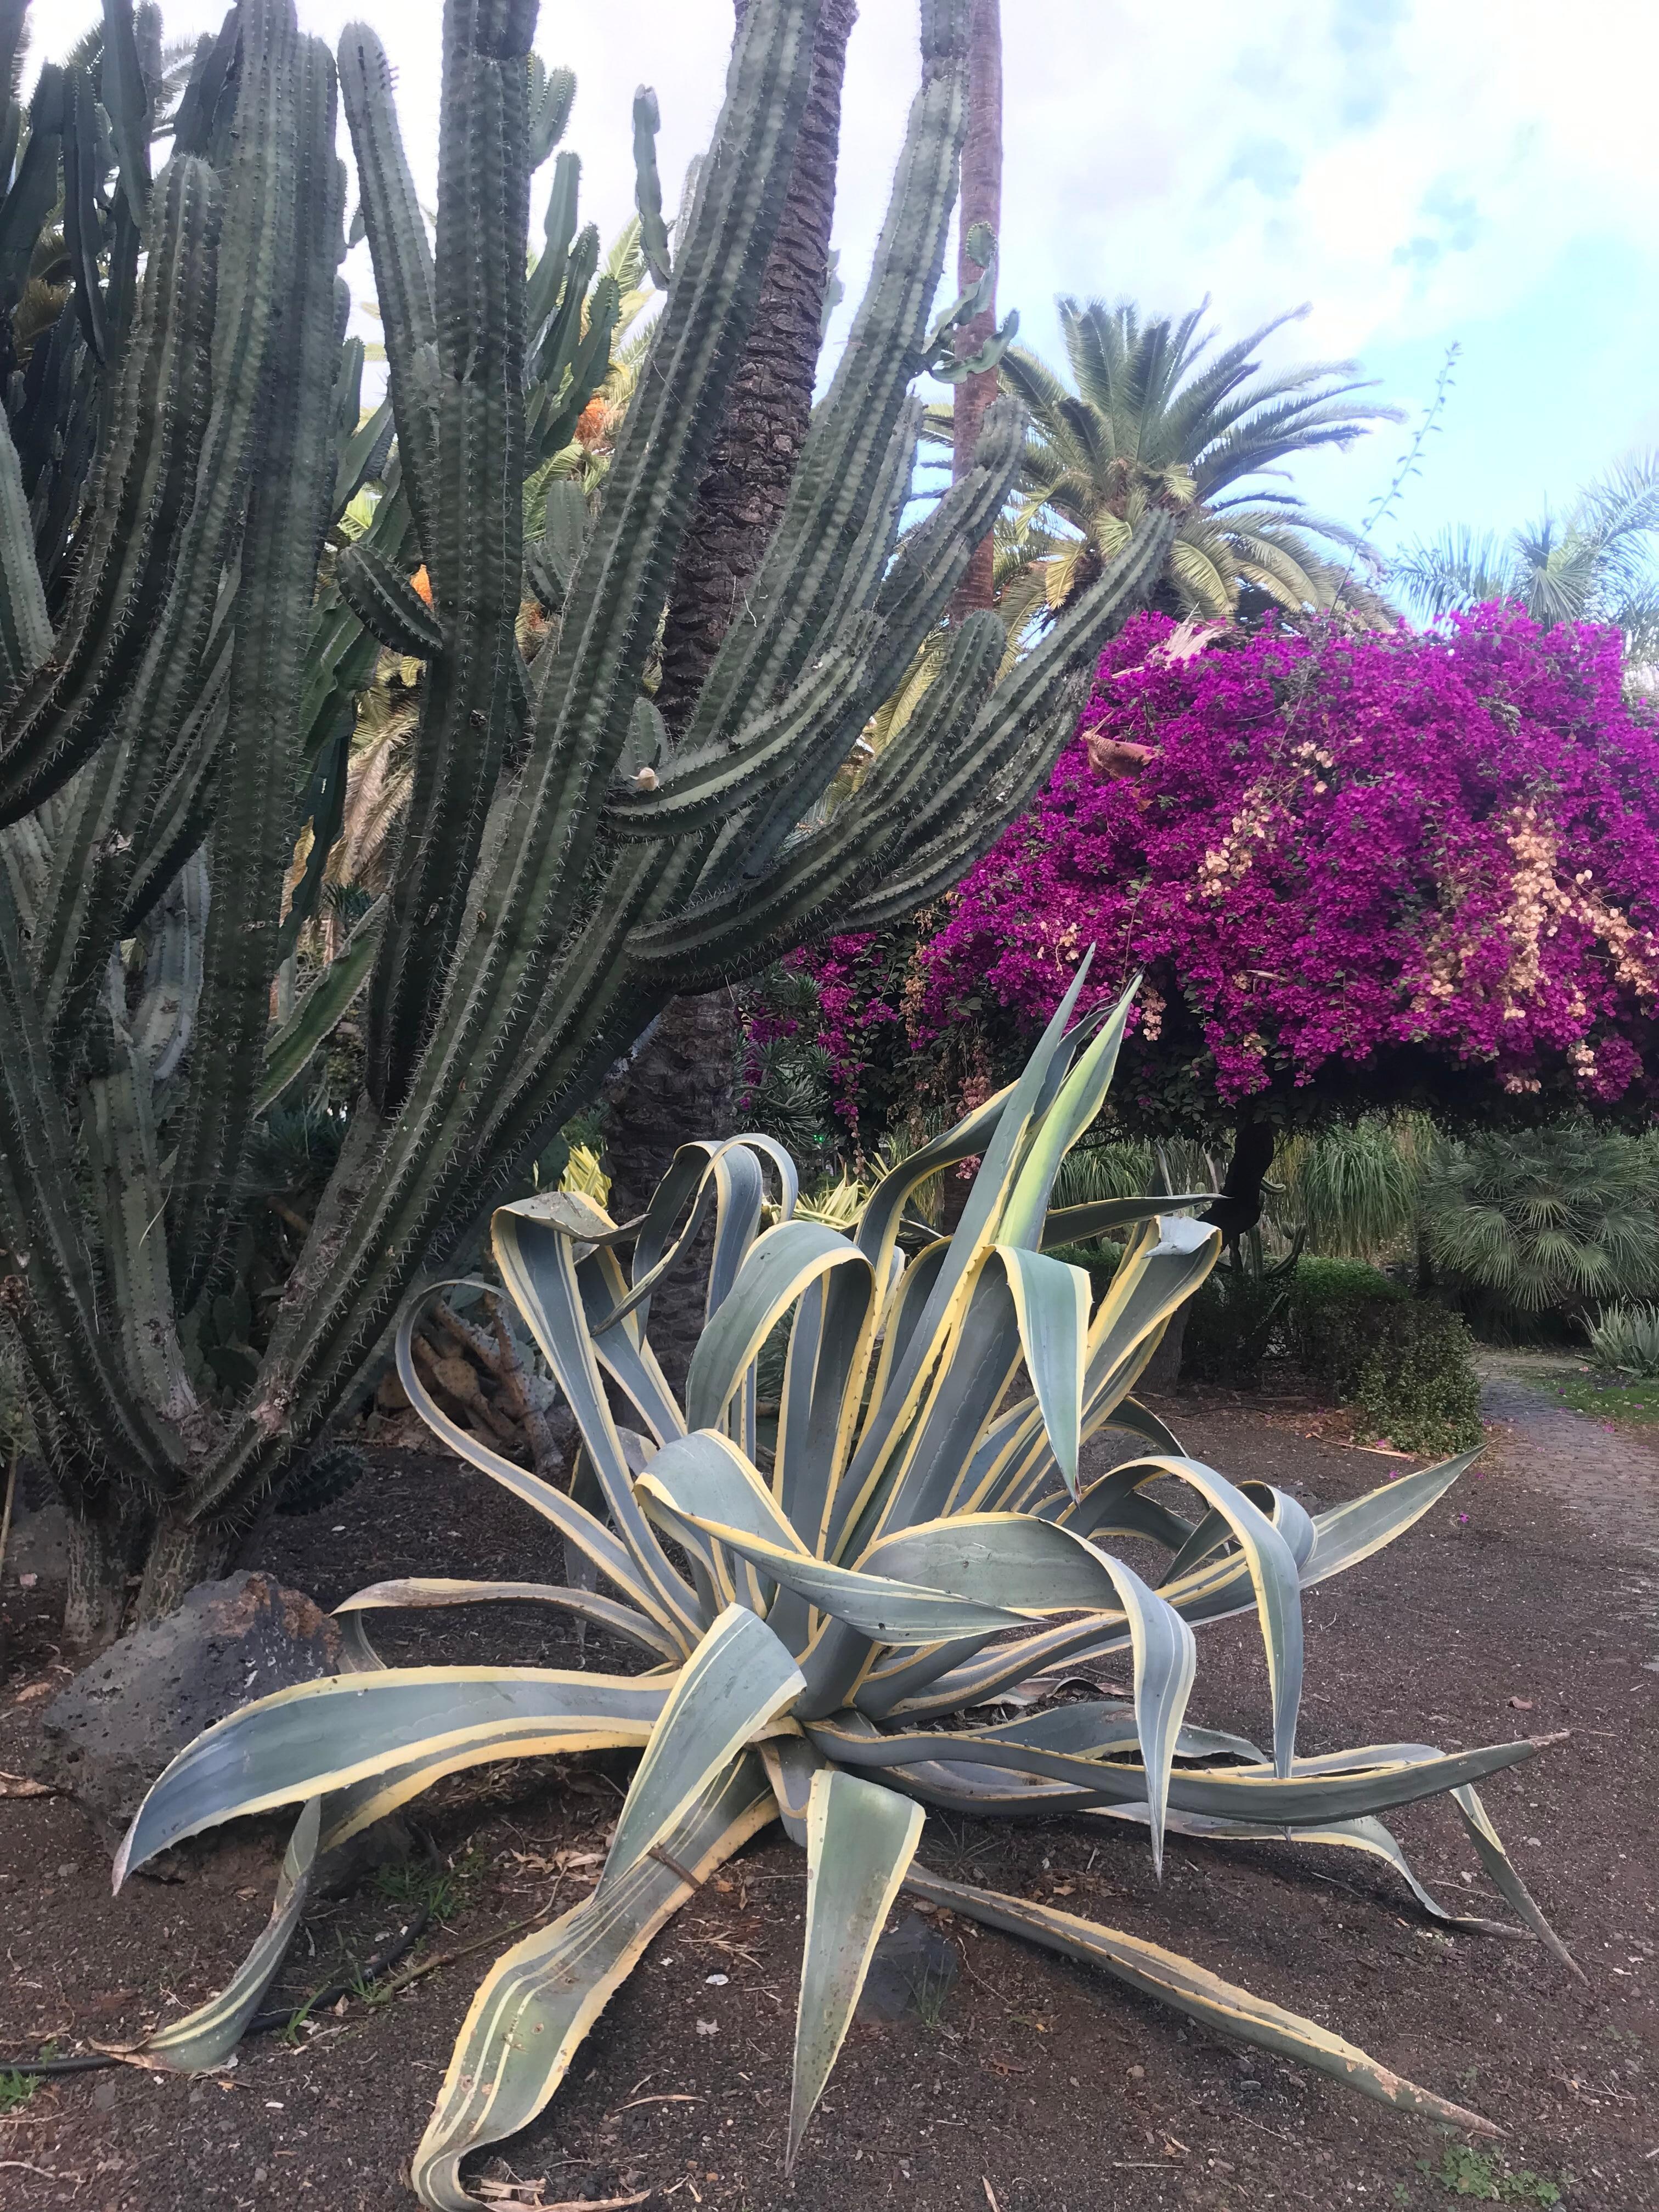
x=1524 y=1603
x=1607 y=1479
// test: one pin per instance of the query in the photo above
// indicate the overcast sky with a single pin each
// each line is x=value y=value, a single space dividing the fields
x=1420 y=171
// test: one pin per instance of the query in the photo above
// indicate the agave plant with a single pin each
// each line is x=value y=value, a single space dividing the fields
x=823 y=1609
x=1624 y=1341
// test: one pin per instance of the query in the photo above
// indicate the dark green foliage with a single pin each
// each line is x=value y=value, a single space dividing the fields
x=1230 y=1328
x=325 y=1476
x=1404 y=1363
x=1557 y=1221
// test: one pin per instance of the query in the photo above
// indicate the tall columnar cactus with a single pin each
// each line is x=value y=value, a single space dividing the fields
x=182 y=703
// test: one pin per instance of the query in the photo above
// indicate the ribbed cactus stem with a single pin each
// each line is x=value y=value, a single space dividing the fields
x=143 y=488
x=289 y=503
x=562 y=873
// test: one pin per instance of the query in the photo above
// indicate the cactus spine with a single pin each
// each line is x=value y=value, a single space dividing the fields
x=191 y=705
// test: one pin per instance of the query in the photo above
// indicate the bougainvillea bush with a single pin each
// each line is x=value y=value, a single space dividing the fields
x=1388 y=865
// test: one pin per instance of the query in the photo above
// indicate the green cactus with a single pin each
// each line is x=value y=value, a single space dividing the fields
x=186 y=627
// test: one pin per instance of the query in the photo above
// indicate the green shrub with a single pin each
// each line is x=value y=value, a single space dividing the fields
x=1416 y=1385
x=1231 y=1327
x=1402 y=1363
x=1100 y=1256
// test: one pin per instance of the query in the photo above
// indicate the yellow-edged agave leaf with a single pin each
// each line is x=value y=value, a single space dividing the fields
x=1501 y=1869
x=829 y=1349
x=539 y=2002
x=1274 y=1577
x=958 y=1270
x=1039 y=1564
x=1238 y=1794
x=623 y=1349
x=1345 y=1535
x=1081 y=1097
x=791 y=1762
x=1367 y=1836
x=779 y=1268
x=1081 y=1225
x=609 y=1554
x=321 y=1736
x=1051 y=1306
x=736 y=1680
x=1178 y=1981
x=860 y=1840
x=537 y=1264
x=420 y=1593
x=878 y=1608
x=705 y=1479
x=1128 y=1414
x=207 y=2036
x=1162 y=1266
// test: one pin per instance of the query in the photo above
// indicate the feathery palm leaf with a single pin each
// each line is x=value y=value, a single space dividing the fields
x=1157 y=416
x=1596 y=563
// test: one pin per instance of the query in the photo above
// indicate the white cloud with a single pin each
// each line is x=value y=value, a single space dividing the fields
x=1413 y=167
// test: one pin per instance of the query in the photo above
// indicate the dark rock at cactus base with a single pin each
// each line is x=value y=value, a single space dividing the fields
x=109 y=1734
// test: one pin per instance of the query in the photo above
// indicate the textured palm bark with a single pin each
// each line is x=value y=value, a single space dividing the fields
x=747 y=480
x=679 y=1085
x=980 y=201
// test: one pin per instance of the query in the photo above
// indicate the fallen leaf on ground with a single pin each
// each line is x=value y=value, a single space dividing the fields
x=20 y=1785
x=1521 y=1705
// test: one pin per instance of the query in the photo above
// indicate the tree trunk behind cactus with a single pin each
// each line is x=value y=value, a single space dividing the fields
x=764 y=426
x=680 y=1082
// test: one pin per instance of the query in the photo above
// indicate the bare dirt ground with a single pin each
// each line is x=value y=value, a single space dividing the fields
x=1523 y=1606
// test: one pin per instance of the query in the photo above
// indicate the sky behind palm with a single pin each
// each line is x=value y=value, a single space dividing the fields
x=1420 y=171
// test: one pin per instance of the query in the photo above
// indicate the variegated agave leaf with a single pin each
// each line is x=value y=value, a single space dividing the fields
x=810 y=1605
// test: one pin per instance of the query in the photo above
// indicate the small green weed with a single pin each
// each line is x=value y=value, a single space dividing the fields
x=16 y=2089
x=929 y=1992
x=1465 y=2172
x=414 y=1885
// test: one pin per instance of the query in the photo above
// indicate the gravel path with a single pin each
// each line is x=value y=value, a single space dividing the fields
x=1608 y=1478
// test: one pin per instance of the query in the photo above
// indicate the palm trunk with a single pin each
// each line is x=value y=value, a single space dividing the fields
x=745 y=487
x=980 y=201
x=679 y=1085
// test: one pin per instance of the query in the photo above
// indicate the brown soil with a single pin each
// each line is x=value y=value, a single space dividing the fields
x=1036 y=2084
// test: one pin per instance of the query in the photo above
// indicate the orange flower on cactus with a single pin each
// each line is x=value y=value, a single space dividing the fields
x=593 y=424
x=422 y=583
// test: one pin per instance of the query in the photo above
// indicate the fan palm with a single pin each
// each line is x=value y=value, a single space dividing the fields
x=1556 y=1218
x=1594 y=564
x=1156 y=418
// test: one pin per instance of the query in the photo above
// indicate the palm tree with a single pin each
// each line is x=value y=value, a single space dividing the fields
x=1155 y=417
x=1595 y=564
x=680 y=1076
x=1559 y=1219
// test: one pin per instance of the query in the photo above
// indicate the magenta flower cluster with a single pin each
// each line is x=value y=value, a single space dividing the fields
x=1340 y=846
